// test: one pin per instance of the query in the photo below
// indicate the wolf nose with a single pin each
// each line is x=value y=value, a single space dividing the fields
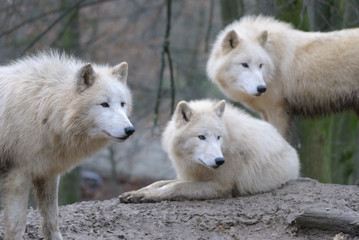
x=129 y=131
x=219 y=161
x=261 y=88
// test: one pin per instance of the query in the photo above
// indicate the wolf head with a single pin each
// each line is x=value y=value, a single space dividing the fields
x=241 y=64
x=199 y=132
x=104 y=101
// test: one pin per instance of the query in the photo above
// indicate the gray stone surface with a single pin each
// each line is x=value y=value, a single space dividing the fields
x=262 y=216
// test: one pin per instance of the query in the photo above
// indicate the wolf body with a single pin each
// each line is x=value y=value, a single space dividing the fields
x=55 y=110
x=219 y=151
x=281 y=72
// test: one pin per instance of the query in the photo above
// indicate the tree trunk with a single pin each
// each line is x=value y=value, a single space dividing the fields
x=69 y=189
x=230 y=11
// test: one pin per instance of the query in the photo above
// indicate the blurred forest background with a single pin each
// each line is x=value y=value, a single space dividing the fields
x=154 y=37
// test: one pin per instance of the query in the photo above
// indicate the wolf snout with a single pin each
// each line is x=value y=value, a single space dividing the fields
x=129 y=131
x=261 y=89
x=219 y=161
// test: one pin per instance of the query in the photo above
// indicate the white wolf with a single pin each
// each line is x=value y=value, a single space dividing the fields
x=219 y=152
x=281 y=72
x=55 y=110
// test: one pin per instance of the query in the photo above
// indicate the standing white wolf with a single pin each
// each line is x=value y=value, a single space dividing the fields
x=219 y=151
x=54 y=111
x=281 y=72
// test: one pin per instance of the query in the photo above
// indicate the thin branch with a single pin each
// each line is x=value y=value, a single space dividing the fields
x=159 y=90
x=45 y=14
x=57 y=20
x=28 y=21
x=209 y=29
x=62 y=32
x=165 y=51
x=173 y=89
x=302 y=12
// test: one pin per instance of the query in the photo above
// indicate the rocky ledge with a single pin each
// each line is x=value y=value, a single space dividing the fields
x=301 y=209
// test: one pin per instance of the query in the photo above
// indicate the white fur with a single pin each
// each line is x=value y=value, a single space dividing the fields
x=51 y=118
x=305 y=73
x=257 y=158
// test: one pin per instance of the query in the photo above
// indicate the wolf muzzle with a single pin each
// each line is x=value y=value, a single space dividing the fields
x=261 y=89
x=129 y=131
x=219 y=161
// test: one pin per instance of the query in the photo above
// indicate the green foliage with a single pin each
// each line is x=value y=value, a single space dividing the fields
x=293 y=13
x=327 y=147
x=69 y=189
x=230 y=10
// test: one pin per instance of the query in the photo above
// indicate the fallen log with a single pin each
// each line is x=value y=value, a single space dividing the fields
x=326 y=219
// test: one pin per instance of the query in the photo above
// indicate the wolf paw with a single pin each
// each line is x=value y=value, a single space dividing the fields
x=137 y=198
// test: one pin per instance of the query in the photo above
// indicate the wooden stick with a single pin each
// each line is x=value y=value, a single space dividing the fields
x=346 y=222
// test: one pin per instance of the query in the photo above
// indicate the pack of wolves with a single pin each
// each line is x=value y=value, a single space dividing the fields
x=55 y=110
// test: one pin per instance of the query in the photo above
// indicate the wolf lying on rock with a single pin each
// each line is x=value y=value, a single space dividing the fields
x=219 y=151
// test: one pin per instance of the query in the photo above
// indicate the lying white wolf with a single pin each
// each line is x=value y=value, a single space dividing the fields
x=219 y=153
x=54 y=111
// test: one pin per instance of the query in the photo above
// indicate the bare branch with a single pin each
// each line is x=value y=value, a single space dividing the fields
x=165 y=51
x=173 y=89
x=57 y=20
x=60 y=35
x=209 y=28
x=159 y=90
x=28 y=21
x=45 y=14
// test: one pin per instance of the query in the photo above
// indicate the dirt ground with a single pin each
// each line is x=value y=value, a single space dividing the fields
x=262 y=216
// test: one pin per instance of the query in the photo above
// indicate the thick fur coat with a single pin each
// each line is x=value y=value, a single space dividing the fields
x=55 y=110
x=220 y=151
x=282 y=72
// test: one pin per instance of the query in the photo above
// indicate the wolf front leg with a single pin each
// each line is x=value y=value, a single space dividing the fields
x=46 y=194
x=16 y=188
x=280 y=119
x=156 y=185
x=178 y=190
x=127 y=197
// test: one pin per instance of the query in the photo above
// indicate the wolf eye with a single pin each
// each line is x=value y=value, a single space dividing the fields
x=245 y=65
x=105 y=105
x=261 y=65
x=219 y=137
x=202 y=137
x=123 y=104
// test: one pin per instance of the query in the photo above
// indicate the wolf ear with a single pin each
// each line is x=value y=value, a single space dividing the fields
x=262 y=38
x=183 y=112
x=231 y=41
x=219 y=108
x=120 y=72
x=85 y=78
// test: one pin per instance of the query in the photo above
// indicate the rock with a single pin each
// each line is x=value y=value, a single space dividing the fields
x=261 y=216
